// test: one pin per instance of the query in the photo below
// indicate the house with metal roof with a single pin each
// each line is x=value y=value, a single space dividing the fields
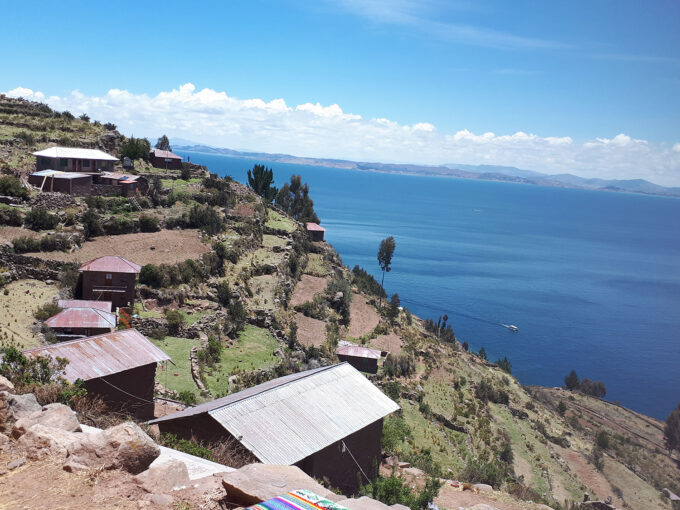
x=73 y=183
x=79 y=322
x=120 y=367
x=110 y=278
x=361 y=358
x=84 y=303
x=315 y=231
x=327 y=421
x=129 y=184
x=165 y=159
x=73 y=159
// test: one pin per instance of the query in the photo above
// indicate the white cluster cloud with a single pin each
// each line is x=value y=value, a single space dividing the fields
x=314 y=130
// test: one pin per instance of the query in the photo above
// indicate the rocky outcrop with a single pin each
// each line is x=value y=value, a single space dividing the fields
x=57 y=416
x=124 y=446
x=6 y=385
x=49 y=200
x=14 y=407
x=255 y=483
x=164 y=477
x=366 y=503
x=40 y=442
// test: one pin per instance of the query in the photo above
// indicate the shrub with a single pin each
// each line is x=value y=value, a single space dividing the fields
x=395 y=431
x=392 y=389
x=185 y=445
x=504 y=365
x=395 y=490
x=25 y=244
x=602 y=440
x=120 y=225
x=22 y=370
x=571 y=381
x=592 y=388
x=158 y=333
x=479 y=471
x=485 y=391
x=188 y=397
x=135 y=148
x=206 y=218
x=224 y=293
x=175 y=320
x=561 y=408
x=46 y=311
x=366 y=283
x=10 y=216
x=336 y=287
x=11 y=186
x=399 y=365
x=150 y=275
x=27 y=137
x=148 y=223
x=92 y=224
x=39 y=219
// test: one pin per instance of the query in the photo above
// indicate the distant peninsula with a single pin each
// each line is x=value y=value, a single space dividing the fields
x=460 y=171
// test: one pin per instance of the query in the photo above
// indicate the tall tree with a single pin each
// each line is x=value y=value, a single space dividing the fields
x=385 y=253
x=295 y=200
x=571 y=381
x=163 y=143
x=672 y=430
x=260 y=179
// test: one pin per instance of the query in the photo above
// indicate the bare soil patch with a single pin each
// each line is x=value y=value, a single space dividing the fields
x=391 y=343
x=244 y=210
x=363 y=317
x=169 y=247
x=307 y=288
x=310 y=331
x=7 y=234
x=263 y=288
x=17 y=308
x=451 y=497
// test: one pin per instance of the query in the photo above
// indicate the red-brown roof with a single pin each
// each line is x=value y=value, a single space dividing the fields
x=111 y=264
x=316 y=227
x=82 y=318
x=165 y=154
x=102 y=355
x=84 y=303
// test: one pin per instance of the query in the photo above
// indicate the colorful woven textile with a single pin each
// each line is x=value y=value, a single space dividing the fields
x=298 y=500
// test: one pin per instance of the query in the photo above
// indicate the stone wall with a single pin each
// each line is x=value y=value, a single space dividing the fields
x=24 y=266
x=106 y=190
x=49 y=200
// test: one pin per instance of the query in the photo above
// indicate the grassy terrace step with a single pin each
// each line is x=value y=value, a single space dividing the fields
x=178 y=349
x=280 y=222
x=254 y=349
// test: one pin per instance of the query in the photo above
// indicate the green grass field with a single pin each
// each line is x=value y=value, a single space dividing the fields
x=178 y=349
x=254 y=349
x=277 y=221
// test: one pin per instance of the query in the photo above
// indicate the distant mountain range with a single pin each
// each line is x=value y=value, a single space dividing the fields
x=480 y=172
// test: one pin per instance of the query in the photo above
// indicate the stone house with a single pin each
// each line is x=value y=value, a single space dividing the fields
x=165 y=159
x=72 y=159
x=129 y=184
x=327 y=421
x=119 y=367
x=315 y=231
x=110 y=278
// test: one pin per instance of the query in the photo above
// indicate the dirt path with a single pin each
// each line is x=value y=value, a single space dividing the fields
x=166 y=246
x=363 y=317
x=307 y=288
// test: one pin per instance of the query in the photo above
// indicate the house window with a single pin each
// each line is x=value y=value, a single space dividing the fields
x=63 y=161
x=132 y=186
x=86 y=163
x=109 y=276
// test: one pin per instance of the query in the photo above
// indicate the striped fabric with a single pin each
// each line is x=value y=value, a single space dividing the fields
x=297 y=500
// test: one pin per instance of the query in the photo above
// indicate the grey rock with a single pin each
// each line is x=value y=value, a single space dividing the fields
x=6 y=385
x=16 y=463
x=483 y=487
x=164 y=476
x=41 y=441
x=56 y=416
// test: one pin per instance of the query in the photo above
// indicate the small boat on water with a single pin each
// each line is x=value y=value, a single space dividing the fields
x=511 y=327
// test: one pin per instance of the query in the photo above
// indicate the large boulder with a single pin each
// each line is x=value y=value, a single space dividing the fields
x=6 y=385
x=13 y=407
x=163 y=476
x=366 y=503
x=124 y=446
x=56 y=416
x=255 y=483
x=40 y=441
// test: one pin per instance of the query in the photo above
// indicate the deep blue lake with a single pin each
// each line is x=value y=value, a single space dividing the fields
x=592 y=279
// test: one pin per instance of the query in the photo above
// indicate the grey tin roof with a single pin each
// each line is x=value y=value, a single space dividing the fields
x=287 y=419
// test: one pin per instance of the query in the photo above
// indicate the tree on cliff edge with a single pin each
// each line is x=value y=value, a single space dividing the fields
x=671 y=432
x=385 y=253
x=163 y=143
x=260 y=179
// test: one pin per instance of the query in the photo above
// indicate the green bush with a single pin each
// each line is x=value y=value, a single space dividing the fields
x=188 y=397
x=479 y=471
x=335 y=287
x=11 y=187
x=46 y=311
x=117 y=225
x=485 y=391
x=206 y=218
x=395 y=431
x=175 y=320
x=148 y=223
x=392 y=389
x=395 y=490
x=399 y=365
x=10 y=216
x=366 y=283
x=39 y=219
x=92 y=224
x=25 y=244
x=184 y=445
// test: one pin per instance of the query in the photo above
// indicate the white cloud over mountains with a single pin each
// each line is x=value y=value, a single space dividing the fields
x=315 y=130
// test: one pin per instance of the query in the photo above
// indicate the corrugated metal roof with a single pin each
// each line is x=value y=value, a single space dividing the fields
x=57 y=174
x=82 y=318
x=102 y=355
x=288 y=419
x=120 y=177
x=85 y=303
x=165 y=154
x=316 y=227
x=75 y=153
x=112 y=264
x=350 y=349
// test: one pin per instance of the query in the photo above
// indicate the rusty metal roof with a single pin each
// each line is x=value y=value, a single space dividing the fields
x=111 y=264
x=165 y=154
x=350 y=349
x=288 y=419
x=102 y=355
x=82 y=318
x=315 y=227
x=85 y=303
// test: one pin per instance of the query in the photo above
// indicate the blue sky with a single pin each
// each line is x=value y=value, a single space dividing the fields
x=572 y=71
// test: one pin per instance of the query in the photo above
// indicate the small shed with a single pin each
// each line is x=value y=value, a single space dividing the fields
x=315 y=231
x=165 y=159
x=74 y=159
x=73 y=183
x=84 y=303
x=120 y=367
x=361 y=358
x=327 y=421
x=129 y=184
x=110 y=278
x=79 y=322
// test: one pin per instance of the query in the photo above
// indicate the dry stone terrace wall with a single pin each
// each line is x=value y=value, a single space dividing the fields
x=49 y=200
x=24 y=266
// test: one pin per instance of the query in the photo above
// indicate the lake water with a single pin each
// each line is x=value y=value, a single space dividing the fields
x=592 y=279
